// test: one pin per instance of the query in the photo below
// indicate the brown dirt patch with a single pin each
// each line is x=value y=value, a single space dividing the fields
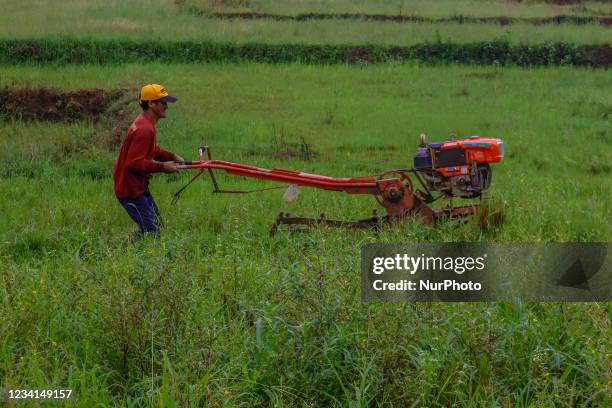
x=596 y=55
x=461 y=19
x=47 y=104
x=605 y=20
x=564 y=2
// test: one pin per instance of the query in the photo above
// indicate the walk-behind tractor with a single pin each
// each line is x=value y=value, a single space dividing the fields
x=453 y=169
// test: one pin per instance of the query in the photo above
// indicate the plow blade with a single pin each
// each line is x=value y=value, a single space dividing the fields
x=421 y=210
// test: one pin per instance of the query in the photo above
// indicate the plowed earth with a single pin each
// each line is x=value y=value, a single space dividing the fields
x=46 y=104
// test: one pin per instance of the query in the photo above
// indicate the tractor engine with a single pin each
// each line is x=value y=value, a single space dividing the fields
x=458 y=168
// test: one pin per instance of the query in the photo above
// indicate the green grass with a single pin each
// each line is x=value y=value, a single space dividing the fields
x=370 y=32
x=438 y=8
x=248 y=108
x=217 y=313
x=165 y=20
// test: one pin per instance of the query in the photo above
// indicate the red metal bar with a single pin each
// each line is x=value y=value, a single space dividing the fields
x=357 y=185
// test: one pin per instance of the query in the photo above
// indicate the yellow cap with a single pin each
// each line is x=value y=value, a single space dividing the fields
x=155 y=92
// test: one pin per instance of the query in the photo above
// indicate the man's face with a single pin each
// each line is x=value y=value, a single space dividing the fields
x=158 y=108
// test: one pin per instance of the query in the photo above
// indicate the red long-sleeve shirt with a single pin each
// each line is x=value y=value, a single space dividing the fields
x=135 y=163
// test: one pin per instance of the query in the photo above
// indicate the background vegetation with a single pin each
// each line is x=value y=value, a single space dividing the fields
x=164 y=20
x=77 y=51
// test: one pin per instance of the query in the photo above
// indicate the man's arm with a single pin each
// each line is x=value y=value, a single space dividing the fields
x=137 y=161
x=165 y=155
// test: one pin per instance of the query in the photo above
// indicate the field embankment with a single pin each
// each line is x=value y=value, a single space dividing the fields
x=461 y=22
x=460 y=19
x=81 y=51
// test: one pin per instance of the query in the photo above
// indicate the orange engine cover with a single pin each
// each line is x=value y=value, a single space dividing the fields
x=478 y=149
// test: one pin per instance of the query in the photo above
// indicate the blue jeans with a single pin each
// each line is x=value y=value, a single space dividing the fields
x=144 y=212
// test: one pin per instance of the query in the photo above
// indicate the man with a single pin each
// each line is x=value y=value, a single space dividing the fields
x=140 y=157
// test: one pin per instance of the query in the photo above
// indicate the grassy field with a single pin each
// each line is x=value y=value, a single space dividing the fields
x=217 y=313
x=140 y=19
x=438 y=8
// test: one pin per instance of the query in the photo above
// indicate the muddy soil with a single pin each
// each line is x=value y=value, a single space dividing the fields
x=46 y=104
x=597 y=56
